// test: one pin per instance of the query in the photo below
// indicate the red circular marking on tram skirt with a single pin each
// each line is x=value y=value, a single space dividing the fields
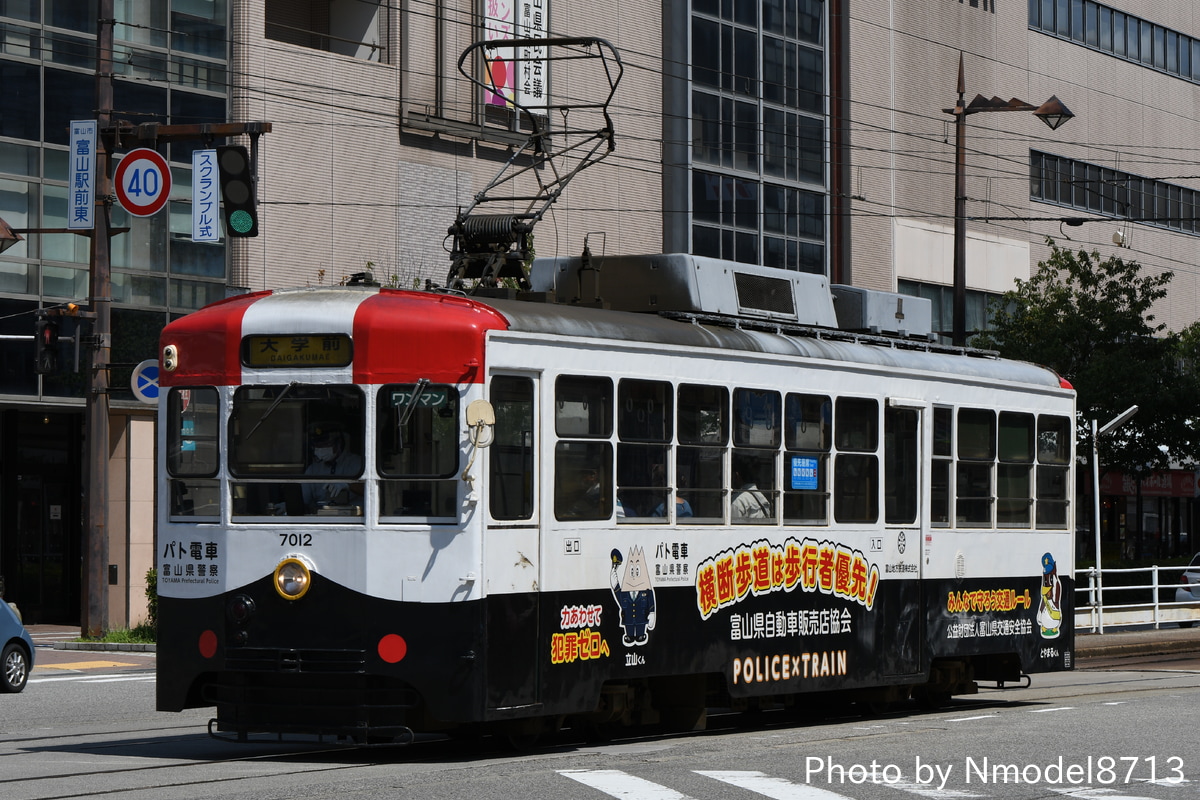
x=393 y=648
x=208 y=644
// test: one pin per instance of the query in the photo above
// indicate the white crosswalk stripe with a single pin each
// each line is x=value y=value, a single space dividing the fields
x=622 y=785
x=930 y=790
x=775 y=788
x=615 y=783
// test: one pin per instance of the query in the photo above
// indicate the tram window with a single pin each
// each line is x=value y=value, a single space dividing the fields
x=193 y=443
x=757 y=418
x=807 y=420
x=1053 y=456
x=855 y=498
x=583 y=406
x=270 y=427
x=418 y=442
x=703 y=432
x=939 y=479
x=806 y=494
x=703 y=415
x=642 y=486
x=193 y=452
x=807 y=424
x=856 y=426
x=856 y=477
x=1014 y=473
x=300 y=436
x=644 y=411
x=900 y=466
x=511 y=467
x=976 y=460
x=583 y=488
x=1053 y=440
x=644 y=427
x=752 y=496
x=976 y=434
x=943 y=427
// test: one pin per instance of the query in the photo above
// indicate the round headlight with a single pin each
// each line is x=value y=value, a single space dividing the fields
x=292 y=578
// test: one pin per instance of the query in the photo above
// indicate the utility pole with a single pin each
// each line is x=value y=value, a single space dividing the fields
x=112 y=136
x=95 y=609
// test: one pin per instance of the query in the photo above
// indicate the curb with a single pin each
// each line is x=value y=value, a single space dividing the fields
x=1136 y=649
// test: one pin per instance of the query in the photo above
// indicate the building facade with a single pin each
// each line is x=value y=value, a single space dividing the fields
x=800 y=134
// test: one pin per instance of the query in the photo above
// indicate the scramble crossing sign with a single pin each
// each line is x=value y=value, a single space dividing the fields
x=143 y=182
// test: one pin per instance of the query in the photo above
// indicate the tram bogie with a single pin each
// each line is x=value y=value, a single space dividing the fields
x=390 y=511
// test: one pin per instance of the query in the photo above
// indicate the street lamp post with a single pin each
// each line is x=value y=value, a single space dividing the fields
x=1108 y=427
x=1052 y=112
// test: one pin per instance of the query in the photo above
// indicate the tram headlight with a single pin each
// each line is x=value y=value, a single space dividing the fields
x=292 y=578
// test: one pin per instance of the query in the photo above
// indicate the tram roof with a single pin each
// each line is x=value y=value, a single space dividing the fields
x=693 y=331
x=428 y=327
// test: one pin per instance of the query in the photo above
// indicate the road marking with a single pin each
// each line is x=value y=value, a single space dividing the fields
x=1045 y=710
x=89 y=665
x=971 y=719
x=929 y=790
x=90 y=679
x=615 y=783
x=1097 y=794
x=775 y=788
x=82 y=677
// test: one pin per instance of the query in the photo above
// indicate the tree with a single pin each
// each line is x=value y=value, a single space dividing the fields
x=1090 y=320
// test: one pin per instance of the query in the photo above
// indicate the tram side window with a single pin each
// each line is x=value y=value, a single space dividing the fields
x=856 y=465
x=807 y=425
x=645 y=424
x=1014 y=472
x=511 y=467
x=1053 y=461
x=976 y=458
x=297 y=449
x=901 y=466
x=417 y=448
x=702 y=432
x=583 y=469
x=193 y=451
x=757 y=431
x=943 y=458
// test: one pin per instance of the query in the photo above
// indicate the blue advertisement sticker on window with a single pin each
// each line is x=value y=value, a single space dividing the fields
x=804 y=473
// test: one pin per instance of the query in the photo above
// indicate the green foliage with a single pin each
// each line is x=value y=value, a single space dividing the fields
x=1089 y=319
x=152 y=598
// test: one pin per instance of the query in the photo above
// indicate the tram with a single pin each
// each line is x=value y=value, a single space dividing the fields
x=644 y=487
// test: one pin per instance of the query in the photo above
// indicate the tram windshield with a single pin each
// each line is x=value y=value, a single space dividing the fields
x=296 y=450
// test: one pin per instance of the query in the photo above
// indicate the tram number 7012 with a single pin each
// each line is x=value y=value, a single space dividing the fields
x=295 y=539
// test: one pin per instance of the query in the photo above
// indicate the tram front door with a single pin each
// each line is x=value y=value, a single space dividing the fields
x=903 y=512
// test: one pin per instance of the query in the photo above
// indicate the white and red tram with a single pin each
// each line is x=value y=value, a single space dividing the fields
x=528 y=512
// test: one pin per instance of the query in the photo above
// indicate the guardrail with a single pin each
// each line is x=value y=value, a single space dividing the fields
x=1115 y=605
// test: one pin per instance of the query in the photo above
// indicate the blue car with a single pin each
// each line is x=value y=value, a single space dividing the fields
x=16 y=650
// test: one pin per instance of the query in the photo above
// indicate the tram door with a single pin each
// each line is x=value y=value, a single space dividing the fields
x=902 y=422
x=512 y=546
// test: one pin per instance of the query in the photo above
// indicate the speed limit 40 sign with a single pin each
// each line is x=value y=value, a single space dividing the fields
x=143 y=182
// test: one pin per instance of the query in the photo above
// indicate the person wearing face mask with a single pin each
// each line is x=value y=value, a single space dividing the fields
x=331 y=457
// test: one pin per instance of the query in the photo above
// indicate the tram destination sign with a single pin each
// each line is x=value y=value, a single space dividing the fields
x=275 y=351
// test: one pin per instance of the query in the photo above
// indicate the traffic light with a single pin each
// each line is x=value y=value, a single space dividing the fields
x=45 y=345
x=237 y=191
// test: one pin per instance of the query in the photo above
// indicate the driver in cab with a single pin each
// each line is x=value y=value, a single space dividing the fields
x=331 y=457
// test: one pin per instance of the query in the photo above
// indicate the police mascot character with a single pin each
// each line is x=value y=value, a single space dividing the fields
x=634 y=595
